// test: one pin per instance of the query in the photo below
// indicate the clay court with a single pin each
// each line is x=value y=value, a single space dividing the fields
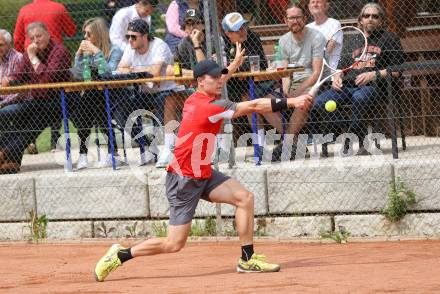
x=209 y=267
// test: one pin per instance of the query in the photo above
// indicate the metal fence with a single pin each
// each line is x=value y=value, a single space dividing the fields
x=324 y=180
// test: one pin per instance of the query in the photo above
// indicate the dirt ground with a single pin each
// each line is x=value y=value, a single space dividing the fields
x=209 y=267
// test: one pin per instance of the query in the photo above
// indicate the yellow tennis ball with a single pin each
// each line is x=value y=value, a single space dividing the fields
x=330 y=106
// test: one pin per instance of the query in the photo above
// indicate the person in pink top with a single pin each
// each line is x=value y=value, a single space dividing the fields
x=174 y=19
x=54 y=15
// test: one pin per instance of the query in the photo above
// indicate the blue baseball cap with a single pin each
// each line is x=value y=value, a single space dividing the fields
x=232 y=22
x=208 y=67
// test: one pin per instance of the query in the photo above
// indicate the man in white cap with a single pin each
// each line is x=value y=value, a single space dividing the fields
x=236 y=30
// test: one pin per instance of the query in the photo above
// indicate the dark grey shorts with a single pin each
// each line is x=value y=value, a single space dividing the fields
x=184 y=193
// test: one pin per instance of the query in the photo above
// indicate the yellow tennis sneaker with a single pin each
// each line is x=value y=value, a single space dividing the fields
x=256 y=265
x=108 y=263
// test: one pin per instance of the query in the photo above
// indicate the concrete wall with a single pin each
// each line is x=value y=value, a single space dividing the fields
x=302 y=200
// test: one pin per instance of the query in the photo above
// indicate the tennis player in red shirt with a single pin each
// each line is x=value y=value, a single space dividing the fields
x=191 y=178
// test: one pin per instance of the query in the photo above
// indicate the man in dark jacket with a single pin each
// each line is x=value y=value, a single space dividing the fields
x=45 y=62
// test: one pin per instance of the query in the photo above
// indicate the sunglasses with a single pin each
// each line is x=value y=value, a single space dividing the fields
x=368 y=15
x=132 y=37
x=87 y=34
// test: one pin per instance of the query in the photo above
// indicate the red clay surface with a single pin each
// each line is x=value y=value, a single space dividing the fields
x=398 y=267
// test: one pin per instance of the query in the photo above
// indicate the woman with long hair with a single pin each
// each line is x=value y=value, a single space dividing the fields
x=90 y=108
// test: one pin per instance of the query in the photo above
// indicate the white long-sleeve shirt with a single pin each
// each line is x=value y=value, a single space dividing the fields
x=328 y=28
x=120 y=21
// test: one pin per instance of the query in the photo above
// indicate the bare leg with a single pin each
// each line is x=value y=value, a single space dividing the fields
x=274 y=119
x=297 y=121
x=174 y=242
x=170 y=109
x=232 y=192
x=173 y=105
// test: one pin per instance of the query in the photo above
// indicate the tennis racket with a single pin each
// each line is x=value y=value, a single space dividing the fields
x=350 y=41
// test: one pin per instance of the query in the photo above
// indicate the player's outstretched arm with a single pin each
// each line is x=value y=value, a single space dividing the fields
x=264 y=105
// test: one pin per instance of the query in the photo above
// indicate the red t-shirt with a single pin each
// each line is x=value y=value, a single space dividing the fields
x=54 y=15
x=201 y=121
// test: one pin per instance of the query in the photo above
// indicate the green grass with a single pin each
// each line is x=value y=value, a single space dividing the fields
x=43 y=140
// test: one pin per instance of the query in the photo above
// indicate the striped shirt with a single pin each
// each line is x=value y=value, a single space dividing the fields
x=8 y=66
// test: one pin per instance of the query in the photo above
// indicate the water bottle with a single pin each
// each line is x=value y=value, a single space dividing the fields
x=278 y=59
x=102 y=65
x=87 y=73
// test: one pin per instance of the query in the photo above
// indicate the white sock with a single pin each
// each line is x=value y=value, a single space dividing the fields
x=170 y=139
x=261 y=137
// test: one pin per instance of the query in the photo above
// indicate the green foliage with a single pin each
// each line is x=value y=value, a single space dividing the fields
x=196 y=229
x=37 y=226
x=211 y=226
x=399 y=199
x=206 y=228
x=261 y=227
x=131 y=230
x=43 y=140
x=160 y=230
x=103 y=231
x=231 y=232
x=340 y=236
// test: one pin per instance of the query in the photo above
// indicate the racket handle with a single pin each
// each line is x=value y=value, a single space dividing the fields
x=314 y=90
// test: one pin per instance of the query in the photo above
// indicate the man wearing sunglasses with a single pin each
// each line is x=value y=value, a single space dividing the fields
x=118 y=28
x=145 y=54
x=365 y=84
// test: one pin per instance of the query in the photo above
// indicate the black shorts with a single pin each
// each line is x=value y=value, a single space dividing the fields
x=184 y=193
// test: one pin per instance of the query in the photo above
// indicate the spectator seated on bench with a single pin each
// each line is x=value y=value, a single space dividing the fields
x=145 y=54
x=89 y=109
x=54 y=15
x=45 y=62
x=364 y=86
